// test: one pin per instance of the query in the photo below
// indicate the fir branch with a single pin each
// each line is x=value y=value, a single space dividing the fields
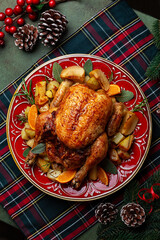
x=153 y=70
x=131 y=192
x=156 y=33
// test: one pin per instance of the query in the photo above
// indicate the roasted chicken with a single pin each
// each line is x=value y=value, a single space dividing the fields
x=75 y=133
x=76 y=126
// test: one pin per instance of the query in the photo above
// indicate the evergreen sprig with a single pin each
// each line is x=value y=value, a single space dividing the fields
x=156 y=33
x=148 y=230
x=153 y=70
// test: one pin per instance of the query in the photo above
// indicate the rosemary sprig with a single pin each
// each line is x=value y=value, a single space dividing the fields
x=139 y=107
x=25 y=92
x=22 y=118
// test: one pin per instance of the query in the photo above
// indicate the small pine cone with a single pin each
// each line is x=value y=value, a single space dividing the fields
x=26 y=37
x=52 y=25
x=133 y=215
x=106 y=213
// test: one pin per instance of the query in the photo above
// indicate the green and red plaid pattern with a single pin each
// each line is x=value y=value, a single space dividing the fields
x=115 y=33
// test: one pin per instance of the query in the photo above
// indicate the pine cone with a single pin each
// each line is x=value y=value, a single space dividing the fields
x=106 y=213
x=133 y=215
x=52 y=25
x=27 y=37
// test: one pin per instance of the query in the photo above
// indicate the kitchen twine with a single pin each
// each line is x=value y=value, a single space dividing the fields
x=142 y=192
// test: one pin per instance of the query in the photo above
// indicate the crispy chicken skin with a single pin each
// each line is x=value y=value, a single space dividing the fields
x=97 y=154
x=82 y=116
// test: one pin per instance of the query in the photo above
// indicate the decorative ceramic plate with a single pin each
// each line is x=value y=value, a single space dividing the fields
x=90 y=190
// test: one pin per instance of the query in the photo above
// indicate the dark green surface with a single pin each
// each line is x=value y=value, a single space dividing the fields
x=14 y=62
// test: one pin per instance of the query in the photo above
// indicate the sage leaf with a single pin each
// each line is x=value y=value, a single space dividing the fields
x=111 y=77
x=57 y=69
x=125 y=96
x=88 y=66
x=109 y=166
x=26 y=151
x=40 y=148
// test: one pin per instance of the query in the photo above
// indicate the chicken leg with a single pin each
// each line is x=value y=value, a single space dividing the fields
x=98 y=152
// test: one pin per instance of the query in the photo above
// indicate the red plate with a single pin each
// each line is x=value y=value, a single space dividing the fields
x=90 y=190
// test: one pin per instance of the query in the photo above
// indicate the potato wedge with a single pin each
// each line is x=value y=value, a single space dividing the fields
x=44 y=108
x=75 y=73
x=30 y=142
x=53 y=174
x=129 y=123
x=40 y=92
x=30 y=133
x=52 y=88
x=93 y=173
x=27 y=111
x=43 y=164
x=122 y=154
x=126 y=143
x=92 y=83
x=117 y=138
x=24 y=134
x=113 y=155
x=101 y=78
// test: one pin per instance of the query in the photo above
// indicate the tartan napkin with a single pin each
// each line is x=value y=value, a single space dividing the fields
x=115 y=33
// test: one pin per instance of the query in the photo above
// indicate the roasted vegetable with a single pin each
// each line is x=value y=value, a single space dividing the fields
x=129 y=123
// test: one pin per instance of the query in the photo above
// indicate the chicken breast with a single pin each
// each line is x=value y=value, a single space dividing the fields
x=82 y=116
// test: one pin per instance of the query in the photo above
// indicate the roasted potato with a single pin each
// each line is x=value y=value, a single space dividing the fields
x=43 y=164
x=101 y=78
x=123 y=154
x=44 y=108
x=30 y=133
x=53 y=174
x=24 y=134
x=27 y=111
x=40 y=93
x=129 y=123
x=30 y=142
x=92 y=83
x=75 y=73
x=126 y=143
x=52 y=88
x=113 y=156
x=117 y=138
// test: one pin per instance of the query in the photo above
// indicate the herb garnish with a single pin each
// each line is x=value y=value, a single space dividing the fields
x=88 y=67
x=110 y=77
x=22 y=118
x=57 y=69
x=139 y=107
x=40 y=148
x=125 y=96
x=25 y=92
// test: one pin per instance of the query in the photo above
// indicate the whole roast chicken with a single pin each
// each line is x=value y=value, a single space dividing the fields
x=74 y=127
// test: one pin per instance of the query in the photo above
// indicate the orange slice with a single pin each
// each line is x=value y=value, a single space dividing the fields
x=102 y=176
x=113 y=90
x=66 y=176
x=32 y=116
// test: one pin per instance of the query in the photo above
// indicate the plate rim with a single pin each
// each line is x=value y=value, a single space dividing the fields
x=80 y=199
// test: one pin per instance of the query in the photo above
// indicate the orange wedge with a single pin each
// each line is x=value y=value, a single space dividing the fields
x=32 y=116
x=113 y=90
x=102 y=176
x=66 y=176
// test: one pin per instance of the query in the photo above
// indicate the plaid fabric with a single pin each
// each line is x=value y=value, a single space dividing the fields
x=115 y=33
